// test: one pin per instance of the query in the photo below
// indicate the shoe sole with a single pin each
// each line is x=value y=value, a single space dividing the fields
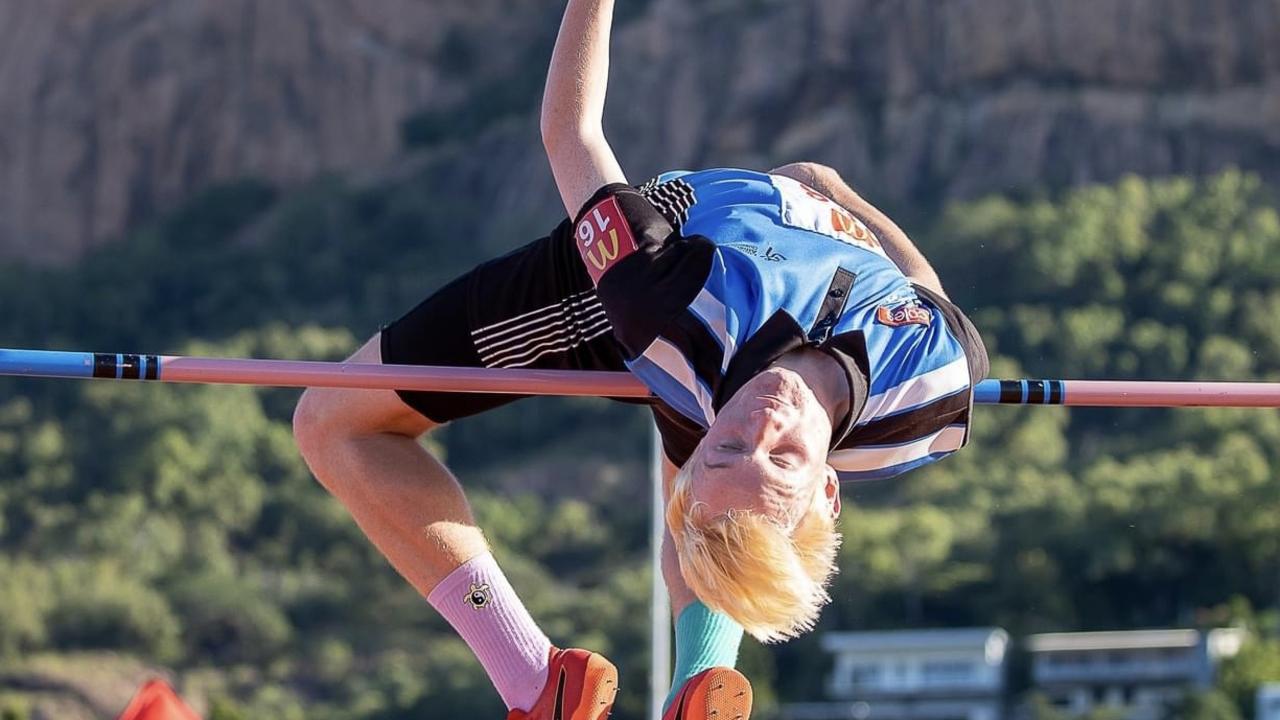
x=596 y=704
x=722 y=695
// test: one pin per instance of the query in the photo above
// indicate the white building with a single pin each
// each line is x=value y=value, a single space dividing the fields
x=1140 y=670
x=911 y=675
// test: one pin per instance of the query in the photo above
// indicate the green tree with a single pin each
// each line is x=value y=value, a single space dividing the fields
x=1208 y=705
x=1257 y=662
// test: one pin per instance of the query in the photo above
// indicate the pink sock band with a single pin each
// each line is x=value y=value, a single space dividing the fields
x=483 y=608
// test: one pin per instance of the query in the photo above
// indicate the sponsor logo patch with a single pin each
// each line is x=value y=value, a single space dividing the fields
x=603 y=238
x=806 y=208
x=907 y=314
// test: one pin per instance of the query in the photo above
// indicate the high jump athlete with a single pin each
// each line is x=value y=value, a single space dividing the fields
x=792 y=335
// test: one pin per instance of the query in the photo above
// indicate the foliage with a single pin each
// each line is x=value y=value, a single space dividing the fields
x=1038 y=707
x=1208 y=705
x=14 y=711
x=1258 y=662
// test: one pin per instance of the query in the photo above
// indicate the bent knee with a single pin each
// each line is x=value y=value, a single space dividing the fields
x=326 y=418
x=314 y=423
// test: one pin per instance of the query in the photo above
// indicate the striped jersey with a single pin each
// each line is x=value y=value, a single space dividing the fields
x=709 y=277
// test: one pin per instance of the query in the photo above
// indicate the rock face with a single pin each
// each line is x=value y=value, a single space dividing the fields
x=114 y=110
x=916 y=98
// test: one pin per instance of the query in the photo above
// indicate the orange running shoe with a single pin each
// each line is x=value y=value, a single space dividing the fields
x=580 y=686
x=720 y=693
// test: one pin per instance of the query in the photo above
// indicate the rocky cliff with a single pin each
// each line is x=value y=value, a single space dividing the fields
x=114 y=110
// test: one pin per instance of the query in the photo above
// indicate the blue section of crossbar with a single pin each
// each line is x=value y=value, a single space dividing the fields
x=987 y=392
x=46 y=363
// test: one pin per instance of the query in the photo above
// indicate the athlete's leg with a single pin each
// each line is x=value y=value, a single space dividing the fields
x=362 y=445
x=704 y=685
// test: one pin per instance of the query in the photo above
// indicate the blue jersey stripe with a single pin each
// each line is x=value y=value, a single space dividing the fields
x=671 y=390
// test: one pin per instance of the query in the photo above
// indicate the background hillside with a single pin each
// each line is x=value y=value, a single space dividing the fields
x=112 y=111
x=278 y=178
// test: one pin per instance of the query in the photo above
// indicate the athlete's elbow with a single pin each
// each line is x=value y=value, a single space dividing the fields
x=548 y=127
x=567 y=132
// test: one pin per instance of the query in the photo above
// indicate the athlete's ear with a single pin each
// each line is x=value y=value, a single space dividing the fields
x=831 y=490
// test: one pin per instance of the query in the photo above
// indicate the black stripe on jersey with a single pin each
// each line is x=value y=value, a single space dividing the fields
x=673 y=199
x=644 y=290
x=912 y=424
x=832 y=306
x=779 y=335
x=680 y=435
x=701 y=348
x=975 y=352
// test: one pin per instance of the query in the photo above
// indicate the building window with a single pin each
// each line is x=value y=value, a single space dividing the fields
x=1065 y=659
x=943 y=672
x=864 y=674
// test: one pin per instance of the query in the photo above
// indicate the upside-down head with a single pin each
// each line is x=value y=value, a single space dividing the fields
x=752 y=513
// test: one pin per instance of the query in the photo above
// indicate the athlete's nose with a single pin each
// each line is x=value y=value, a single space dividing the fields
x=763 y=424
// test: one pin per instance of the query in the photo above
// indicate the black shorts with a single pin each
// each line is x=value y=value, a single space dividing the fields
x=532 y=308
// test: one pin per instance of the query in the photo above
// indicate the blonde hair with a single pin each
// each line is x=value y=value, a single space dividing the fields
x=748 y=566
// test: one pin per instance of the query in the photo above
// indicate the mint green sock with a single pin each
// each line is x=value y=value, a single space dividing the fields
x=704 y=639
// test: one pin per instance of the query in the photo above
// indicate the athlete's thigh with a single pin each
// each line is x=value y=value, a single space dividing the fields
x=363 y=412
x=532 y=308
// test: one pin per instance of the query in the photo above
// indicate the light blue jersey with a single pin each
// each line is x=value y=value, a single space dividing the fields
x=760 y=265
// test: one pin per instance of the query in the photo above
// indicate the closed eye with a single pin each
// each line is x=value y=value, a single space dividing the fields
x=723 y=454
x=788 y=457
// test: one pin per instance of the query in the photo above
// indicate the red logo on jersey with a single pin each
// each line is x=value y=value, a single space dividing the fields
x=910 y=314
x=603 y=238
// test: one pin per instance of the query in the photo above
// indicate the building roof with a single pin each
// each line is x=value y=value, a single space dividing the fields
x=1113 y=640
x=931 y=639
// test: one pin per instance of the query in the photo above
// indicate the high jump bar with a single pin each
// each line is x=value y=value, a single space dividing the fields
x=522 y=381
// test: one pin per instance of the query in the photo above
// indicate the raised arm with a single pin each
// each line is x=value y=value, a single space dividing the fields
x=573 y=104
x=895 y=242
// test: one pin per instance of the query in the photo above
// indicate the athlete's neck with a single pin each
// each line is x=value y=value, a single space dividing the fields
x=825 y=378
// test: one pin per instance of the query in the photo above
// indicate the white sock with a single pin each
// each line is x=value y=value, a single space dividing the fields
x=483 y=608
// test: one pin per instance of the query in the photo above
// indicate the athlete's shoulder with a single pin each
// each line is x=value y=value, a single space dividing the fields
x=681 y=194
x=709 y=175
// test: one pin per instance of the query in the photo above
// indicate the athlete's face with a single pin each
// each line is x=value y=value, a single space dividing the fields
x=766 y=452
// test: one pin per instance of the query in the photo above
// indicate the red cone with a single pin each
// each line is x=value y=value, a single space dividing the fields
x=157 y=701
